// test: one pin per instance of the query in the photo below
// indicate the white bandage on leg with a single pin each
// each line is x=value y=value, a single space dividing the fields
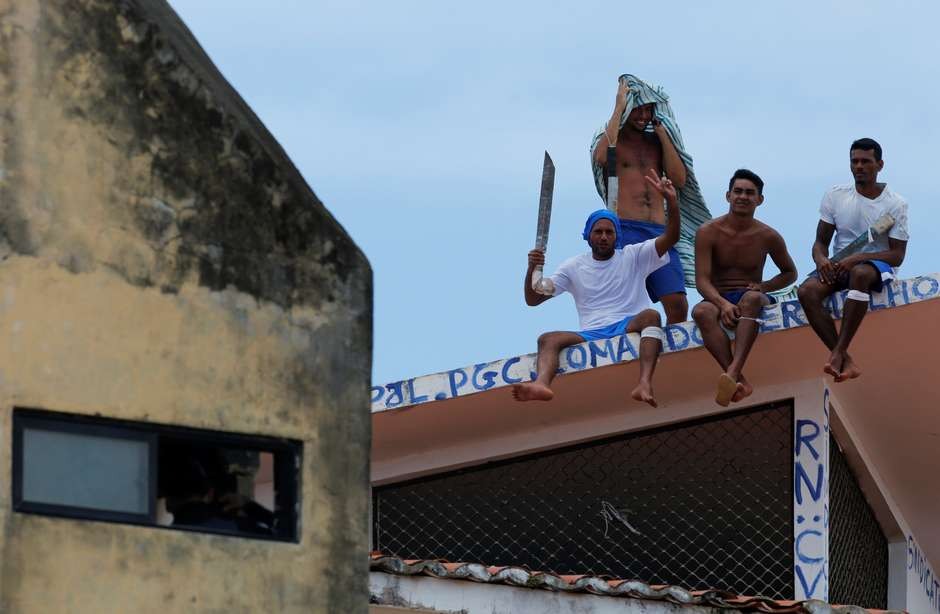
x=857 y=295
x=653 y=332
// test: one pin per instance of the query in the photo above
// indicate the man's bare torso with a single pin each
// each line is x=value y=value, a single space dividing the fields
x=738 y=254
x=637 y=153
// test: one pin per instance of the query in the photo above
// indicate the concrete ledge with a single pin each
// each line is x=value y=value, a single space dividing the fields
x=592 y=354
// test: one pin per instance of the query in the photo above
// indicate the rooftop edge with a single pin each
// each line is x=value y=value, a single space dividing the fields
x=484 y=376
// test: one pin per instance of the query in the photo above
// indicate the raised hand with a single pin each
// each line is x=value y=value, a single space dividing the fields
x=622 y=90
x=662 y=185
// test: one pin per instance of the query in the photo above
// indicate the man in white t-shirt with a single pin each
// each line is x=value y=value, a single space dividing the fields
x=848 y=211
x=609 y=290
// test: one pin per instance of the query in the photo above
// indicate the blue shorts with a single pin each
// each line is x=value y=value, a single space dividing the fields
x=885 y=273
x=606 y=332
x=734 y=296
x=668 y=279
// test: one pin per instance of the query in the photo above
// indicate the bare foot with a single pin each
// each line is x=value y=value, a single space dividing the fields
x=644 y=393
x=850 y=370
x=532 y=391
x=727 y=387
x=744 y=390
x=834 y=366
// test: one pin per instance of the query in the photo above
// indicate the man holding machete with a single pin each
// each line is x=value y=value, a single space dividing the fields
x=849 y=211
x=609 y=290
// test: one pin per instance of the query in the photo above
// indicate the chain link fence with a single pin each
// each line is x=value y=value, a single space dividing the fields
x=704 y=504
x=858 y=550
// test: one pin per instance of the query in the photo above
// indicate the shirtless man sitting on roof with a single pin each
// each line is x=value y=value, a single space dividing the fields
x=730 y=252
x=608 y=287
x=639 y=207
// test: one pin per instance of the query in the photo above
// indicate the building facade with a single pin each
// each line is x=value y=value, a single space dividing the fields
x=176 y=303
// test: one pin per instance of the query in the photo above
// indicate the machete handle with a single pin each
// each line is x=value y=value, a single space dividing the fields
x=542 y=285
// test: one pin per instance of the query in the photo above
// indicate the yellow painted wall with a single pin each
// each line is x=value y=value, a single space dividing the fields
x=161 y=260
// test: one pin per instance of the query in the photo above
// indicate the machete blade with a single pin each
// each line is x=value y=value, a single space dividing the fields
x=545 y=202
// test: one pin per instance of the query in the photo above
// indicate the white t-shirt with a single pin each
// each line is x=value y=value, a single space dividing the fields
x=852 y=214
x=607 y=291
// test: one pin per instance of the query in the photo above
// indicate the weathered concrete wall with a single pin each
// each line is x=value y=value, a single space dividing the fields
x=429 y=594
x=161 y=259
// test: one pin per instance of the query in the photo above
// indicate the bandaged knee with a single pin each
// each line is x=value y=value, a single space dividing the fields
x=653 y=332
x=857 y=295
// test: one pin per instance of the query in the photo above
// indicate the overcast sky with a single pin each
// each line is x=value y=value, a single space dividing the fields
x=421 y=127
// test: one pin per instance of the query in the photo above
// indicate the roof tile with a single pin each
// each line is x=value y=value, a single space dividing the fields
x=635 y=589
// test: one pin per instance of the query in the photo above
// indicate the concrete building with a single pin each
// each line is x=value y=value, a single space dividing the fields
x=808 y=492
x=175 y=302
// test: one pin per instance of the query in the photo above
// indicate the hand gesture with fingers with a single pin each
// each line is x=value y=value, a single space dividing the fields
x=662 y=185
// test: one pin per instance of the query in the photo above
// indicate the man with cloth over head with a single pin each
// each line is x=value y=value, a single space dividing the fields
x=642 y=133
x=730 y=252
x=848 y=211
x=609 y=290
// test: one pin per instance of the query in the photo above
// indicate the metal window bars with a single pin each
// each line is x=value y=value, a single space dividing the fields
x=858 y=550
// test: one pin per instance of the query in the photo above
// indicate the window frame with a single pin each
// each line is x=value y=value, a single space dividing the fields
x=287 y=457
x=23 y=421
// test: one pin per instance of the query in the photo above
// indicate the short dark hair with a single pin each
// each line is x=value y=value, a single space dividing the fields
x=743 y=173
x=867 y=144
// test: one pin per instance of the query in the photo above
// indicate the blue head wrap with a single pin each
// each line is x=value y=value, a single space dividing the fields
x=601 y=214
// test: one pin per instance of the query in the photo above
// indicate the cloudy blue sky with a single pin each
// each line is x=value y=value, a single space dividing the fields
x=421 y=126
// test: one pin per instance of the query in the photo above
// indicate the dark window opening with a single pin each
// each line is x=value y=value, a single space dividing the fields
x=210 y=487
x=858 y=549
x=148 y=474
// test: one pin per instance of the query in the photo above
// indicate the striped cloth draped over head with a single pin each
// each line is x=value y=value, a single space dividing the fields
x=692 y=206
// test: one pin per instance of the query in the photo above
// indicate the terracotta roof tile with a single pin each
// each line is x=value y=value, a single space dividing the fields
x=635 y=589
